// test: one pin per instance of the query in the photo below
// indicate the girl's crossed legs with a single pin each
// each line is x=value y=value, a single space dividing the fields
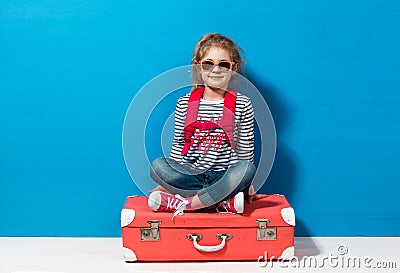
x=202 y=188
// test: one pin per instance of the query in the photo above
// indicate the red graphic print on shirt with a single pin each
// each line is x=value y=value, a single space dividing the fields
x=206 y=139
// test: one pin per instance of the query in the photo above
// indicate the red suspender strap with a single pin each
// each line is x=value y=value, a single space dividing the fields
x=191 y=117
x=228 y=117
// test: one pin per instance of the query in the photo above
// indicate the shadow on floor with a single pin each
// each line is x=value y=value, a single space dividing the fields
x=304 y=246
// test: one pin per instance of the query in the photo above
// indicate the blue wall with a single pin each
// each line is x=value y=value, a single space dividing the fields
x=69 y=70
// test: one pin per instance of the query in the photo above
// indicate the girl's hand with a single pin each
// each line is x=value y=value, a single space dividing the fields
x=159 y=188
x=253 y=196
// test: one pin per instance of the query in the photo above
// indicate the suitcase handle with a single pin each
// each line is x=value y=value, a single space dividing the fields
x=195 y=237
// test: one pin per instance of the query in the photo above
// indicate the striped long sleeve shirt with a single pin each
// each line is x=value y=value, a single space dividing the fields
x=210 y=150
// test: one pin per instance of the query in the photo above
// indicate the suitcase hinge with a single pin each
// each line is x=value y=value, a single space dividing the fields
x=152 y=233
x=265 y=233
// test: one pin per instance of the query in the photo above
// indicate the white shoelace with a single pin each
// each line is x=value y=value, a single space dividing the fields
x=225 y=205
x=179 y=205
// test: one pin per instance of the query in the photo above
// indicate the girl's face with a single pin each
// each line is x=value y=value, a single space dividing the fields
x=216 y=68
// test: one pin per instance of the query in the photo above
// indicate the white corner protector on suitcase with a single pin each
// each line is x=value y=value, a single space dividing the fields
x=129 y=255
x=288 y=253
x=289 y=216
x=127 y=216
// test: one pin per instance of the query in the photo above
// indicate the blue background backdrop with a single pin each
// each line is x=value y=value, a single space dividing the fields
x=69 y=70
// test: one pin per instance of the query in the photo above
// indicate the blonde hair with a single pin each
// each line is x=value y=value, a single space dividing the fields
x=209 y=41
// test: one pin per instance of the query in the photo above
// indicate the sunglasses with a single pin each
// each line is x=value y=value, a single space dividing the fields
x=208 y=65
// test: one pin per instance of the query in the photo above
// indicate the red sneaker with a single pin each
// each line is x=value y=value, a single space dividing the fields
x=162 y=201
x=234 y=205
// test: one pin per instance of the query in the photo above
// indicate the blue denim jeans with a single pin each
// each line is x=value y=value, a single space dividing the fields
x=210 y=186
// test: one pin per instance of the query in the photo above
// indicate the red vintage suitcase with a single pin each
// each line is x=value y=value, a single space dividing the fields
x=266 y=228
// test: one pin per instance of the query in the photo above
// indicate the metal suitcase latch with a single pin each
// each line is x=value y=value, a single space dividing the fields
x=152 y=233
x=265 y=233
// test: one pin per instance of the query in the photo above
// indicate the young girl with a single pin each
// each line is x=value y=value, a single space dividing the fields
x=212 y=159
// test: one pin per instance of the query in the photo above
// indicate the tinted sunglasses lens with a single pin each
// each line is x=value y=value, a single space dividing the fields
x=207 y=65
x=225 y=66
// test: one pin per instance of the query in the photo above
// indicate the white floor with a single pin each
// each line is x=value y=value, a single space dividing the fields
x=326 y=254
